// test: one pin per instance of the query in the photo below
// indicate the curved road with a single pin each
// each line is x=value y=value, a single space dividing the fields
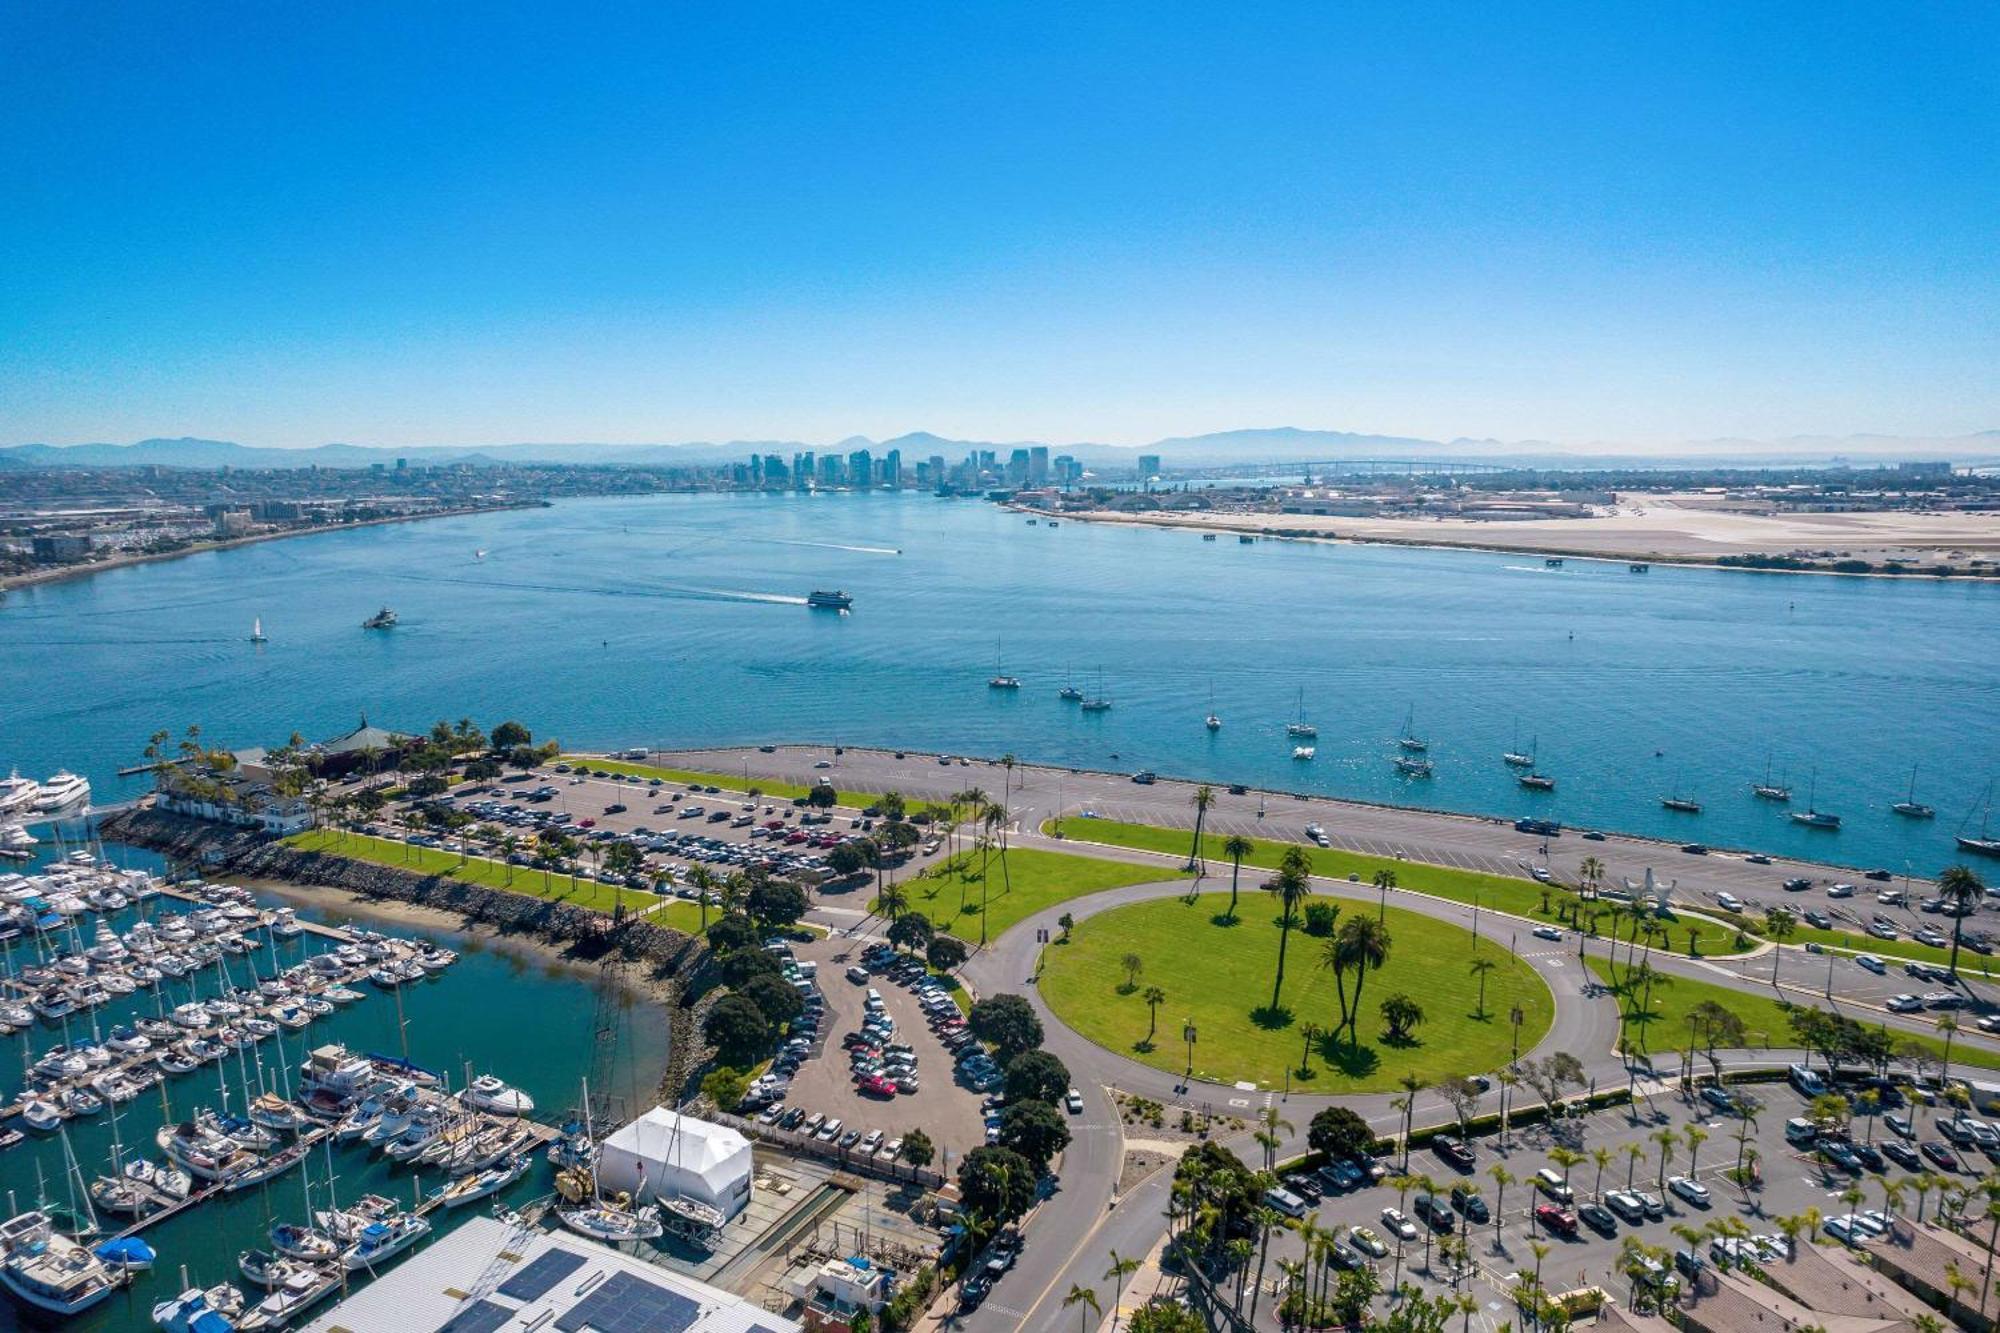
x=1073 y=1234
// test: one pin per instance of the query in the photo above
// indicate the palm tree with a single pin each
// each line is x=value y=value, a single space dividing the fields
x=1480 y=967
x=1121 y=1268
x=1947 y=1025
x=1695 y=1136
x=1204 y=797
x=1293 y=886
x=1666 y=1138
x=1366 y=944
x=892 y=901
x=1502 y=1178
x=1541 y=1251
x=1085 y=1297
x=1236 y=848
x=1385 y=880
x=1963 y=893
x=1407 y=1104
x=1601 y=1156
x=1567 y=1159
x=1155 y=997
x=1273 y=1122
x=702 y=879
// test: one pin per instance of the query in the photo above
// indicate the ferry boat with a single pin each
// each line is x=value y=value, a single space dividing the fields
x=383 y=619
x=18 y=793
x=829 y=601
x=1910 y=807
x=62 y=790
x=48 y=1270
x=1301 y=727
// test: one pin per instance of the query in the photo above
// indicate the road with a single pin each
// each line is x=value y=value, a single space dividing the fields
x=1071 y=1238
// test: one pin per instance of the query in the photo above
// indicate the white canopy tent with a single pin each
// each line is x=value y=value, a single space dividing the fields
x=680 y=1157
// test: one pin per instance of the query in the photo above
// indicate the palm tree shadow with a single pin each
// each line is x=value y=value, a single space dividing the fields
x=1268 y=1018
x=1224 y=919
x=1352 y=1061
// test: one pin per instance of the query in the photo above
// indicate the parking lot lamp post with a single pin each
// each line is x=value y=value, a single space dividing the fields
x=1188 y=1035
x=1517 y=1017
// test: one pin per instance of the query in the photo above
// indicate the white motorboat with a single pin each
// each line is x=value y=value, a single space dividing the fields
x=470 y=1189
x=18 y=793
x=1303 y=752
x=14 y=838
x=382 y=1241
x=62 y=790
x=41 y=1115
x=303 y=1286
x=488 y=1093
x=46 y=1269
x=198 y=1311
x=298 y=1242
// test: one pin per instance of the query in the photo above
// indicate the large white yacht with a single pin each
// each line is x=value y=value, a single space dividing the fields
x=18 y=793
x=48 y=1270
x=62 y=790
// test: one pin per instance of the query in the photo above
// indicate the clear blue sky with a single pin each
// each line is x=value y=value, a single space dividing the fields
x=422 y=223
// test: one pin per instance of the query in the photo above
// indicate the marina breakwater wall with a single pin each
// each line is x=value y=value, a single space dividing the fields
x=673 y=960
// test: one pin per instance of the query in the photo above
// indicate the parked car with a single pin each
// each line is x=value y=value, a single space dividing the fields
x=1470 y=1204
x=1438 y=1216
x=1626 y=1205
x=1598 y=1218
x=1690 y=1189
x=1399 y=1223
x=1370 y=1244
x=1556 y=1218
x=1454 y=1150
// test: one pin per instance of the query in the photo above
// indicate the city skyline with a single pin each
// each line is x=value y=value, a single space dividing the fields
x=1598 y=230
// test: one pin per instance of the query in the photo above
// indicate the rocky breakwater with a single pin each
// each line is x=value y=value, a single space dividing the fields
x=674 y=962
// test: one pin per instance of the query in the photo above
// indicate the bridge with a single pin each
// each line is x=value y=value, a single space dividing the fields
x=1336 y=467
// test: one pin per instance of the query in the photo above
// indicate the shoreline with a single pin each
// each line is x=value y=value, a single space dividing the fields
x=1246 y=525
x=63 y=573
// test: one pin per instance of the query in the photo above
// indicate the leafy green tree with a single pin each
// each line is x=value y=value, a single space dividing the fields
x=731 y=933
x=737 y=969
x=737 y=1029
x=511 y=735
x=1339 y=1132
x=779 y=1000
x=776 y=902
x=996 y=1183
x=912 y=931
x=1036 y=1076
x=1164 y=1314
x=946 y=952
x=917 y=1149
x=1034 y=1129
x=822 y=796
x=1008 y=1022
x=724 y=1087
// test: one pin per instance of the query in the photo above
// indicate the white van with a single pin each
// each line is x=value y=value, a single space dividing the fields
x=1807 y=1082
x=1550 y=1182
x=1801 y=1132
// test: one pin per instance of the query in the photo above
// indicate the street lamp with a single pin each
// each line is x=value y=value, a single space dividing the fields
x=1187 y=1035
x=1517 y=1017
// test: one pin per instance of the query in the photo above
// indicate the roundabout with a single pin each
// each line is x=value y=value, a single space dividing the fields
x=1195 y=965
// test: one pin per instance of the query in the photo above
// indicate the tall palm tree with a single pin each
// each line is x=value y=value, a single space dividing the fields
x=1963 y=892
x=1236 y=848
x=1121 y=1268
x=1480 y=967
x=1085 y=1297
x=1695 y=1135
x=1601 y=1156
x=1204 y=797
x=1293 y=885
x=1666 y=1138
x=1947 y=1025
x=1502 y=1178
x=1155 y=997
x=1366 y=944
x=1273 y=1122
x=702 y=879
x=1407 y=1104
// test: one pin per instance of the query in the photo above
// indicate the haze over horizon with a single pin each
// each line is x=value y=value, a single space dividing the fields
x=1594 y=230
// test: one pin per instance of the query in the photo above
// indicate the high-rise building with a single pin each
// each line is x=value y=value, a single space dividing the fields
x=860 y=469
x=1017 y=468
x=1068 y=470
x=892 y=469
x=1149 y=466
x=829 y=470
x=774 y=470
x=1038 y=465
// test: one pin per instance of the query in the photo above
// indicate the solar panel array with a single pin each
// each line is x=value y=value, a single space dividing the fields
x=629 y=1304
x=480 y=1317
x=547 y=1268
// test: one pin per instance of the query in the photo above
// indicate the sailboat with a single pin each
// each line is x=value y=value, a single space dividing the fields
x=1768 y=790
x=1212 y=721
x=1412 y=767
x=1099 y=702
x=1000 y=679
x=1534 y=779
x=1982 y=845
x=1513 y=758
x=1301 y=727
x=257 y=629
x=1069 y=693
x=1910 y=807
x=608 y=1221
x=1686 y=805
x=1409 y=740
x=1812 y=817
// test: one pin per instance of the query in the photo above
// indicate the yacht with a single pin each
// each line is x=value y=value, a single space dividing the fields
x=381 y=1241
x=1537 y=781
x=1069 y=693
x=383 y=619
x=18 y=793
x=488 y=1093
x=1513 y=757
x=1301 y=727
x=301 y=1287
x=14 y=838
x=602 y=1221
x=1982 y=845
x=48 y=1270
x=1812 y=817
x=1686 y=805
x=472 y=1188
x=1000 y=680
x=1910 y=807
x=1409 y=740
x=829 y=601
x=1303 y=752
x=61 y=791
x=1413 y=768
x=1768 y=790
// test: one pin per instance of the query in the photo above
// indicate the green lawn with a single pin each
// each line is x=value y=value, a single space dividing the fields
x=1664 y=1027
x=1220 y=976
x=949 y=892
x=476 y=870
x=1503 y=893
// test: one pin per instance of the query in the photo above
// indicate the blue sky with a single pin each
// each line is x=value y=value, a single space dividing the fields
x=420 y=223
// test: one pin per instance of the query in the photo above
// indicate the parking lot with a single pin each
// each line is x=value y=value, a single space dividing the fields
x=920 y=1090
x=1794 y=1175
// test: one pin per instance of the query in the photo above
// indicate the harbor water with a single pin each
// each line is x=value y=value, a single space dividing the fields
x=504 y=1008
x=680 y=620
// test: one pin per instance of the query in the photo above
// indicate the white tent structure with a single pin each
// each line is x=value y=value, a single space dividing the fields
x=680 y=1157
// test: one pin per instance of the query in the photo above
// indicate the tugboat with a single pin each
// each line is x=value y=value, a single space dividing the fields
x=383 y=619
x=829 y=601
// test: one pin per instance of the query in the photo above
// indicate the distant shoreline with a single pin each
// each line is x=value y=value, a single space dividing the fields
x=1277 y=532
x=61 y=573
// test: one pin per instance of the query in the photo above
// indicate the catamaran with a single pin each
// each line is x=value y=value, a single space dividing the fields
x=1301 y=727
x=1409 y=740
x=1910 y=807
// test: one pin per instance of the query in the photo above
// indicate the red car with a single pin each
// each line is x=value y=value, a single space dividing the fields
x=878 y=1086
x=794 y=838
x=586 y=823
x=1556 y=1218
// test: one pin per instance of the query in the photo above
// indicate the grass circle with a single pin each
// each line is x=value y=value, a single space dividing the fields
x=1218 y=975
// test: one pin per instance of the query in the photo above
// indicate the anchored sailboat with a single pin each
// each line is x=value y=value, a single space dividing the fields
x=1409 y=740
x=1000 y=679
x=1768 y=790
x=1812 y=817
x=1099 y=702
x=1983 y=845
x=1686 y=805
x=1301 y=727
x=1069 y=692
x=1513 y=757
x=1910 y=807
x=257 y=629
x=1213 y=722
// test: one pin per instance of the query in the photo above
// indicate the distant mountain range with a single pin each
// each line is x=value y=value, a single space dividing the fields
x=1276 y=444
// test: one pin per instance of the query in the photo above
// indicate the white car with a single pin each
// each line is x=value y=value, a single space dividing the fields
x=1397 y=1222
x=1074 y=1102
x=1840 y=891
x=1905 y=1004
x=1548 y=933
x=1871 y=963
x=1367 y=1242
x=1729 y=902
x=1690 y=1189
